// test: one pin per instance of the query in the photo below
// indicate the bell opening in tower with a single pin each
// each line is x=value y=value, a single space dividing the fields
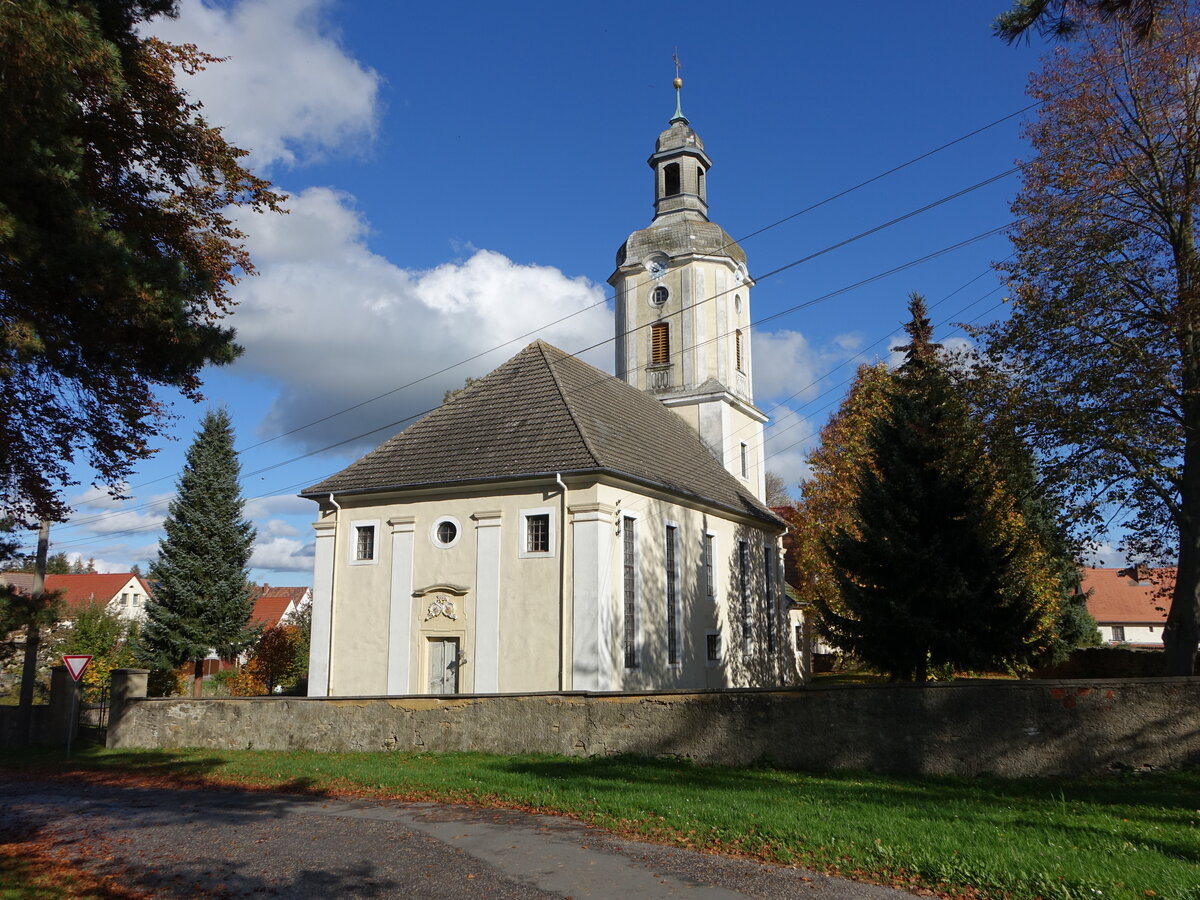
x=671 y=180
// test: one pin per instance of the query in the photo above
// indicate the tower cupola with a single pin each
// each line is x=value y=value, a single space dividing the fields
x=680 y=166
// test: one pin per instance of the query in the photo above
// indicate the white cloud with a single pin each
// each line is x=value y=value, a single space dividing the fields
x=288 y=91
x=1102 y=554
x=97 y=498
x=280 y=528
x=278 y=505
x=97 y=513
x=787 y=365
x=102 y=566
x=336 y=323
x=283 y=554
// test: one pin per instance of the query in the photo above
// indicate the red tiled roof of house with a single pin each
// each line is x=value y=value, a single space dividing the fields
x=80 y=590
x=272 y=603
x=1118 y=598
x=295 y=594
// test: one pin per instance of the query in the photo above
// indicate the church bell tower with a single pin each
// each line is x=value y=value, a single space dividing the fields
x=683 y=308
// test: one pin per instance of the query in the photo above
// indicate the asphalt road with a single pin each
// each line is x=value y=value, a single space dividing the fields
x=223 y=843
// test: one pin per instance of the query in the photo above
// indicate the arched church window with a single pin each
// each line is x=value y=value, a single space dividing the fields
x=737 y=337
x=671 y=179
x=700 y=181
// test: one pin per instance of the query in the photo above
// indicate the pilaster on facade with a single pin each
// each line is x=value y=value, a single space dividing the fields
x=593 y=657
x=322 y=607
x=400 y=605
x=487 y=601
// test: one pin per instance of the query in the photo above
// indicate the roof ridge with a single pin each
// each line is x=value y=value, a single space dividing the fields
x=562 y=392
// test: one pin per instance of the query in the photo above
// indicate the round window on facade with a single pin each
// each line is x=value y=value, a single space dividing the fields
x=658 y=297
x=445 y=532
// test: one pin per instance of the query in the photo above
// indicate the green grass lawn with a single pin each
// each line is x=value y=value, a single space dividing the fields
x=1118 y=837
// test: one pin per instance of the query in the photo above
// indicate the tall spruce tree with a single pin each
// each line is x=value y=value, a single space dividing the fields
x=202 y=598
x=938 y=567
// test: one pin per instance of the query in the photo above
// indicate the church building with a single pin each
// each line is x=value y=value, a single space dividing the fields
x=554 y=528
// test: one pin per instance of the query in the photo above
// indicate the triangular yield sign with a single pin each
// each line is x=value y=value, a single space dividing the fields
x=76 y=664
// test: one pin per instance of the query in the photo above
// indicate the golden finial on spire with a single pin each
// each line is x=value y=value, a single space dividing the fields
x=679 y=116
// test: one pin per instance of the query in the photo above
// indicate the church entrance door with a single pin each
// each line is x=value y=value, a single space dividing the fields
x=443 y=665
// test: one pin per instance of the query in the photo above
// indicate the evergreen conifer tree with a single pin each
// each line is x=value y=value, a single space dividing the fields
x=939 y=568
x=202 y=598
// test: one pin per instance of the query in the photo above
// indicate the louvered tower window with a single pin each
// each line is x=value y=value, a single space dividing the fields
x=660 y=343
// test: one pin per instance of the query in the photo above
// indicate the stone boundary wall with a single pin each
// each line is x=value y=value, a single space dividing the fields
x=50 y=721
x=1012 y=729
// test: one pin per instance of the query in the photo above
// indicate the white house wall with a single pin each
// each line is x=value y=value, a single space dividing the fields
x=1134 y=634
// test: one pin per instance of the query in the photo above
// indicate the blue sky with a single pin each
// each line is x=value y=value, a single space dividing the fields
x=462 y=174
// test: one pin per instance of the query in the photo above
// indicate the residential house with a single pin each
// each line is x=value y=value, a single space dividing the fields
x=277 y=605
x=124 y=593
x=1129 y=605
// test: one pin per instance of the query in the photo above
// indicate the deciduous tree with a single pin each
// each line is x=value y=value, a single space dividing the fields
x=117 y=250
x=103 y=634
x=1104 y=331
x=202 y=596
x=828 y=495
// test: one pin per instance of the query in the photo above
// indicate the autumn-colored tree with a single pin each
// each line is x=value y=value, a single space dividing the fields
x=934 y=564
x=828 y=495
x=1060 y=18
x=1103 y=339
x=117 y=250
x=274 y=662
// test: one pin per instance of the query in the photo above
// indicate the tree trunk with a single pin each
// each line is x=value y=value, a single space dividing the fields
x=32 y=639
x=1182 y=632
x=198 y=679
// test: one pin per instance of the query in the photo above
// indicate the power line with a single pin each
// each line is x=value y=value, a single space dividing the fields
x=797 y=307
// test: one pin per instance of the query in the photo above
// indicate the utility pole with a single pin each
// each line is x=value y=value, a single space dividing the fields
x=33 y=636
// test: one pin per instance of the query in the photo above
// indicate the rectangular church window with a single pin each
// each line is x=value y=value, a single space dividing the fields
x=364 y=547
x=537 y=533
x=672 y=573
x=629 y=554
x=710 y=581
x=712 y=648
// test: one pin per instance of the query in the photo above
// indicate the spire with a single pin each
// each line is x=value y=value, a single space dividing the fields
x=679 y=116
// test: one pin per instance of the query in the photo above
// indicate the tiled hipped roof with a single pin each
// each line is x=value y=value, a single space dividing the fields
x=543 y=412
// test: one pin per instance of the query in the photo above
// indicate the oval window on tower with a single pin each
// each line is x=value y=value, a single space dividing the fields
x=658 y=297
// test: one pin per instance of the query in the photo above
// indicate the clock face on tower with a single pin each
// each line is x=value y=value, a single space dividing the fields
x=657 y=266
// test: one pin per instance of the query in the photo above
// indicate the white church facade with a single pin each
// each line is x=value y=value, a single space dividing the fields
x=555 y=528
